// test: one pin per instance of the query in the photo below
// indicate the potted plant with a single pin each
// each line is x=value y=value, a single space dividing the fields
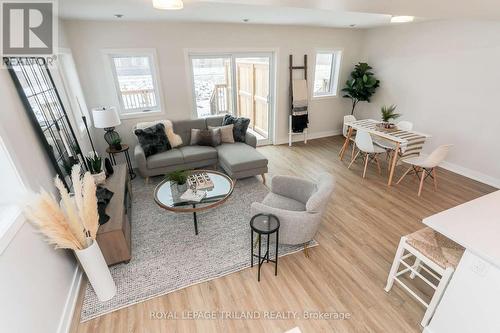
x=94 y=164
x=178 y=179
x=116 y=144
x=361 y=86
x=388 y=114
x=72 y=224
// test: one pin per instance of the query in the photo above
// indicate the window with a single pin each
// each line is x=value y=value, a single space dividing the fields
x=326 y=73
x=136 y=81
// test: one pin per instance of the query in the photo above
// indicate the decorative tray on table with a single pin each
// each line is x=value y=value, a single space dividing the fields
x=201 y=181
x=386 y=127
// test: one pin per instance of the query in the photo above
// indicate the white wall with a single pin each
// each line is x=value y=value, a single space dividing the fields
x=35 y=279
x=171 y=39
x=444 y=77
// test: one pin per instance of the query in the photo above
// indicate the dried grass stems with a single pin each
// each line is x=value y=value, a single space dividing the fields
x=68 y=224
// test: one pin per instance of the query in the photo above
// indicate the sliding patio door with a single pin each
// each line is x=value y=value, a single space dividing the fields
x=212 y=79
x=252 y=86
x=238 y=84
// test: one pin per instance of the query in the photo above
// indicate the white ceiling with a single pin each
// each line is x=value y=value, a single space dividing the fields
x=328 y=13
x=197 y=11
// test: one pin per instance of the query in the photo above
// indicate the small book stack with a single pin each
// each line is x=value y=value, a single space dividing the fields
x=193 y=196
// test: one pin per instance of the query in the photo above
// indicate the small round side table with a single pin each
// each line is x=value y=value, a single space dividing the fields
x=112 y=152
x=264 y=224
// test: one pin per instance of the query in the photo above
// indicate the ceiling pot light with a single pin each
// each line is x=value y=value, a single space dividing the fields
x=402 y=19
x=168 y=4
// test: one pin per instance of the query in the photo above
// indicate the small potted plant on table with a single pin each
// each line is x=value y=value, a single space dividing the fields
x=178 y=179
x=94 y=164
x=116 y=144
x=388 y=114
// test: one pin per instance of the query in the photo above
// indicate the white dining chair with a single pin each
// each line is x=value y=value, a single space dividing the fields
x=425 y=167
x=365 y=146
x=404 y=125
x=345 y=128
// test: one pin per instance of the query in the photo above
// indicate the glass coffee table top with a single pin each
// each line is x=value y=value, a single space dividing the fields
x=223 y=187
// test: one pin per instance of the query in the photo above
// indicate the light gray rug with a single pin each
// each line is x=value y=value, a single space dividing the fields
x=168 y=256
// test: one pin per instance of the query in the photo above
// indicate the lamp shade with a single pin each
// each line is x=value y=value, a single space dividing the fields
x=168 y=4
x=105 y=117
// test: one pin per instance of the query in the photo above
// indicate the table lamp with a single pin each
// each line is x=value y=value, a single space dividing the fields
x=108 y=118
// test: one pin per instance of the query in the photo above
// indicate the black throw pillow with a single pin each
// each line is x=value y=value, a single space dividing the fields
x=240 y=126
x=153 y=140
x=103 y=198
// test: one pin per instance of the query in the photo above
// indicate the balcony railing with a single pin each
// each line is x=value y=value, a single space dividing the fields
x=137 y=99
x=219 y=101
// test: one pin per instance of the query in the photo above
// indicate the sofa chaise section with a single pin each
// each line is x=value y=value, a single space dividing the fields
x=239 y=160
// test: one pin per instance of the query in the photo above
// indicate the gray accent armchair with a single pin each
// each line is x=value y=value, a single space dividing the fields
x=299 y=204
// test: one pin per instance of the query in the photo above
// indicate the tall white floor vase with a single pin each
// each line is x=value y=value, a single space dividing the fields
x=97 y=271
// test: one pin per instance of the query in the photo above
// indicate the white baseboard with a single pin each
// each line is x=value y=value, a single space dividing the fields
x=69 y=307
x=310 y=136
x=469 y=173
x=472 y=174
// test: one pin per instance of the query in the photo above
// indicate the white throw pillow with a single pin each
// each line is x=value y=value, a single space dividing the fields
x=226 y=133
x=174 y=139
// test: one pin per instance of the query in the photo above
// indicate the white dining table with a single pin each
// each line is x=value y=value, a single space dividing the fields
x=401 y=140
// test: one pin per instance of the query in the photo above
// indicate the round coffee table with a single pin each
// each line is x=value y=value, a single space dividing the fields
x=223 y=187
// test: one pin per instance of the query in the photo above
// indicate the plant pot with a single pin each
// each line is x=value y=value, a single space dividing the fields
x=99 y=178
x=117 y=146
x=181 y=188
x=94 y=265
x=386 y=125
x=177 y=190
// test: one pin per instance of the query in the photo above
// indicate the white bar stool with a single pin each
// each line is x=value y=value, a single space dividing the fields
x=431 y=250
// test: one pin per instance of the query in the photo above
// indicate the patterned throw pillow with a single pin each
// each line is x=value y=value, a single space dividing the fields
x=240 y=126
x=226 y=133
x=153 y=140
x=205 y=137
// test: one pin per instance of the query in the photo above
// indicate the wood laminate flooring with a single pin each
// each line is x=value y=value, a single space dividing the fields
x=345 y=273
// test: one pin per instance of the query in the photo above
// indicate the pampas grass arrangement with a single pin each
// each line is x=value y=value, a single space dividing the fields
x=68 y=224
x=72 y=224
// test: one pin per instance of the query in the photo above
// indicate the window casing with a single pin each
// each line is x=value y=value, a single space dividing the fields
x=326 y=73
x=136 y=81
x=10 y=211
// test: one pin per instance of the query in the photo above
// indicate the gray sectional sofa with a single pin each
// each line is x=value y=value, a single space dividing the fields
x=239 y=160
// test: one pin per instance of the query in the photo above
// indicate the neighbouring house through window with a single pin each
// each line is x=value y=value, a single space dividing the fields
x=326 y=73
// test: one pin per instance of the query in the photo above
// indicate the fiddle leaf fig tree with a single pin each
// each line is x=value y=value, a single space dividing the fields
x=361 y=85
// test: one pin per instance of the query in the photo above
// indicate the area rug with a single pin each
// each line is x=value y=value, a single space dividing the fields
x=168 y=256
